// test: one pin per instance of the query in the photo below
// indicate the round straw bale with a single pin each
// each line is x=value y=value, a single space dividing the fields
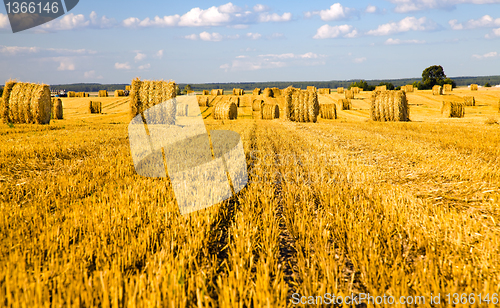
x=225 y=110
x=270 y=111
x=202 y=101
x=257 y=104
x=57 y=108
x=328 y=111
x=268 y=92
x=257 y=91
x=349 y=94
x=4 y=102
x=469 y=101
x=453 y=109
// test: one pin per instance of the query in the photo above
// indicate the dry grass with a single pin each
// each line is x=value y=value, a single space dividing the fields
x=437 y=90
x=328 y=111
x=453 y=109
x=474 y=87
x=225 y=110
x=57 y=109
x=102 y=93
x=469 y=101
x=389 y=106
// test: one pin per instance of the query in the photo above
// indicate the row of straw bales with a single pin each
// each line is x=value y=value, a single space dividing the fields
x=217 y=92
x=300 y=105
x=328 y=111
x=95 y=107
x=238 y=91
x=103 y=93
x=25 y=103
x=437 y=90
x=389 y=106
x=57 y=108
x=148 y=93
x=453 y=109
x=324 y=91
x=225 y=110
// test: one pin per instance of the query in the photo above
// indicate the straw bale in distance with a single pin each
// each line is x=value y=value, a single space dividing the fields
x=202 y=101
x=182 y=110
x=474 y=87
x=301 y=105
x=119 y=93
x=389 y=106
x=408 y=88
x=312 y=88
x=355 y=90
x=206 y=92
x=257 y=91
x=238 y=91
x=71 y=94
x=95 y=107
x=225 y=110
x=381 y=88
x=345 y=104
x=257 y=104
x=103 y=93
x=270 y=111
x=469 y=101
x=4 y=102
x=57 y=108
x=340 y=90
x=328 y=111
x=447 y=88
x=437 y=90
x=268 y=92
x=453 y=109
x=214 y=92
x=349 y=94
x=134 y=100
x=324 y=91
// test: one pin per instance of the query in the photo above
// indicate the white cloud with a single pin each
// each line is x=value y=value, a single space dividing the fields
x=359 y=60
x=139 y=57
x=254 y=36
x=484 y=22
x=66 y=65
x=335 y=12
x=405 y=6
x=492 y=54
x=494 y=33
x=392 y=41
x=91 y=75
x=159 y=54
x=17 y=50
x=271 y=61
x=212 y=37
x=371 y=9
x=192 y=37
x=122 y=66
x=102 y=22
x=406 y=24
x=266 y=17
x=68 y=22
x=261 y=8
x=327 y=31
x=4 y=21
x=145 y=66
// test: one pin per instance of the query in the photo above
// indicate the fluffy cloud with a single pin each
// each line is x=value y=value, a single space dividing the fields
x=217 y=37
x=271 y=61
x=254 y=36
x=335 y=12
x=484 y=22
x=404 y=6
x=159 y=54
x=494 y=33
x=266 y=17
x=75 y=22
x=91 y=75
x=4 y=21
x=327 y=31
x=139 y=57
x=405 y=25
x=371 y=9
x=212 y=37
x=261 y=8
x=122 y=66
x=66 y=65
x=492 y=54
x=392 y=41
x=17 y=50
x=145 y=66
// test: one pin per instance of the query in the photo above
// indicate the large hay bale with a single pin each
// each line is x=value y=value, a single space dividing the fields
x=345 y=104
x=119 y=93
x=103 y=93
x=447 y=88
x=71 y=94
x=349 y=94
x=270 y=112
x=225 y=110
x=301 y=105
x=469 y=101
x=214 y=92
x=355 y=90
x=324 y=91
x=408 y=88
x=389 y=106
x=474 y=87
x=57 y=108
x=313 y=107
x=437 y=90
x=340 y=90
x=206 y=92
x=268 y=92
x=82 y=94
x=28 y=103
x=95 y=107
x=328 y=111
x=381 y=88
x=202 y=101
x=289 y=104
x=257 y=104
x=148 y=93
x=238 y=91
x=453 y=109
x=257 y=91
x=235 y=100
x=312 y=88
x=220 y=91
x=4 y=102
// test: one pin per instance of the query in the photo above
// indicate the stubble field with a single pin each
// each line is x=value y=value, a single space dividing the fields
x=342 y=206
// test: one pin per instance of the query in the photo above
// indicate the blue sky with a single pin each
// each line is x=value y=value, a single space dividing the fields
x=220 y=41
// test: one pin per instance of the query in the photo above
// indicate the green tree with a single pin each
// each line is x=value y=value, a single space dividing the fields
x=362 y=84
x=487 y=85
x=433 y=75
x=389 y=85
